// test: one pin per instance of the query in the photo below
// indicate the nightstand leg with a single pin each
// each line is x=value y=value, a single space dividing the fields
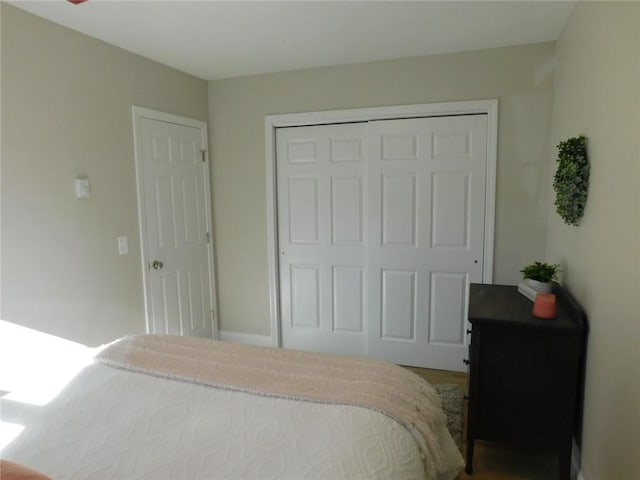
x=564 y=463
x=469 y=466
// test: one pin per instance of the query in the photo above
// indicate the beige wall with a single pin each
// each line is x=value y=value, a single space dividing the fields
x=520 y=77
x=66 y=111
x=597 y=94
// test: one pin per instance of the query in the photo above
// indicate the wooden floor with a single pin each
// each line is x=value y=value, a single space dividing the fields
x=491 y=461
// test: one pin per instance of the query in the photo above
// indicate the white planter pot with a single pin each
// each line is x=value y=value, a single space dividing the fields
x=540 y=287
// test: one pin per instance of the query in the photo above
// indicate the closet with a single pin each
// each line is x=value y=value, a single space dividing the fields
x=380 y=230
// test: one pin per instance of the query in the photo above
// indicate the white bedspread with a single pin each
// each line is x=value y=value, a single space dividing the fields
x=115 y=424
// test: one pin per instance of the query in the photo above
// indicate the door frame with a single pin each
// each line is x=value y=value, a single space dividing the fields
x=272 y=122
x=138 y=113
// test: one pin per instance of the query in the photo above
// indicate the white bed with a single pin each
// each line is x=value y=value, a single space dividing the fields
x=119 y=424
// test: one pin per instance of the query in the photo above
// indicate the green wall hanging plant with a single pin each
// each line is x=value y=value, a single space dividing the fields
x=571 y=181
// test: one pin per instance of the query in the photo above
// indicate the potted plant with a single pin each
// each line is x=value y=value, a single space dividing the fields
x=539 y=275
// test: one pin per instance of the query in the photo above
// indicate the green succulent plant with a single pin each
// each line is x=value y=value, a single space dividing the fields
x=571 y=180
x=540 y=271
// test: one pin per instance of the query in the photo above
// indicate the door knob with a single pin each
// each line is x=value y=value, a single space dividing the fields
x=157 y=265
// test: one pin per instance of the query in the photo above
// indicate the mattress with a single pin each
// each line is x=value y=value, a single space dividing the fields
x=122 y=424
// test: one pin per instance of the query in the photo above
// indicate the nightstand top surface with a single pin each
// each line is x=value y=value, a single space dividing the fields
x=504 y=304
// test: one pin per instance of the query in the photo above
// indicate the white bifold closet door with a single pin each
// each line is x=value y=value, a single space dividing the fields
x=380 y=232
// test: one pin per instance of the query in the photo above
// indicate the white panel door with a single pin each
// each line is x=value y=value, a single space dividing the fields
x=426 y=185
x=380 y=231
x=321 y=237
x=174 y=207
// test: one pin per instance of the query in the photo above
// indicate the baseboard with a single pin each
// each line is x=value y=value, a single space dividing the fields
x=248 y=338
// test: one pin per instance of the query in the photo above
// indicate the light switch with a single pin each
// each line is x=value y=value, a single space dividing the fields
x=81 y=186
x=123 y=245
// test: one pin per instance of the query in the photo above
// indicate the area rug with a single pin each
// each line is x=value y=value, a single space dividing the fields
x=453 y=405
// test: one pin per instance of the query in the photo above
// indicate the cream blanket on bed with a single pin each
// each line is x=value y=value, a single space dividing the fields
x=298 y=375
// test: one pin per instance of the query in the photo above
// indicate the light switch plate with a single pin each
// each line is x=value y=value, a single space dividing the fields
x=123 y=245
x=81 y=186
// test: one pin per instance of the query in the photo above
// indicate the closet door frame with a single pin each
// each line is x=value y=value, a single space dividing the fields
x=272 y=122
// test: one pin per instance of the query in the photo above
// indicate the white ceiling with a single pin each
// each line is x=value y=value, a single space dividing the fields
x=220 y=39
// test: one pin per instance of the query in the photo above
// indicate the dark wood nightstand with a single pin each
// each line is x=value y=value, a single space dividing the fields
x=525 y=374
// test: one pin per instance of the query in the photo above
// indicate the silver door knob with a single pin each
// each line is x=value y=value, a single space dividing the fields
x=157 y=265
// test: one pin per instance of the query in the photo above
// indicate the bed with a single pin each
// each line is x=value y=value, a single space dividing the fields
x=157 y=407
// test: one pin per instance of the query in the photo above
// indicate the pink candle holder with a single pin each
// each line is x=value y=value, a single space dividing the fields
x=545 y=306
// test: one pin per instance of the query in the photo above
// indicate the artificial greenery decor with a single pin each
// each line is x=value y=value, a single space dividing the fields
x=540 y=271
x=571 y=181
